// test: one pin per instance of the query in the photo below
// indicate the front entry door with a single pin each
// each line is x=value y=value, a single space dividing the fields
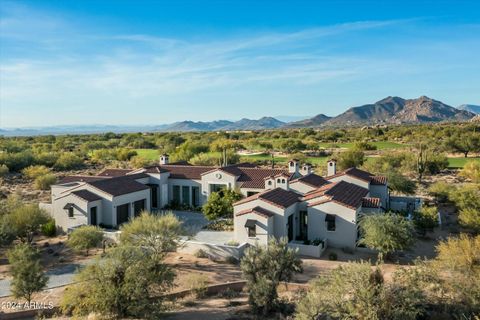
x=123 y=212
x=290 y=228
x=93 y=216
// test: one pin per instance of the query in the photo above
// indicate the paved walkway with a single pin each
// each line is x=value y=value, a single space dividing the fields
x=57 y=277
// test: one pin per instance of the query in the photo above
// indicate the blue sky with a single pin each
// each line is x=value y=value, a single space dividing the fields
x=153 y=62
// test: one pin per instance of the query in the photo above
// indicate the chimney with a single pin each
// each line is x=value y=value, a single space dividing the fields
x=331 y=167
x=306 y=169
x=164 y=159
x=293 y=166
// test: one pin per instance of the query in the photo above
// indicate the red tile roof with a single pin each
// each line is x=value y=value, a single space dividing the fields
x=371 y=202
x=180 y=171
x=254 y=177
x=312 y=180
x=120 y=185
x=86 y=195
x=278 y=197
x=114 y=172
x=68 y=179
x=344 y=193
x=258 y=210
x=360 y=174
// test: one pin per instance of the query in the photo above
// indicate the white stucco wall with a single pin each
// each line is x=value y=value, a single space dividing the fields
x=129 y=198
x=263 y=229
x=279 y=223
x=345 y=234
x=380 y=191
x=187 y=183
x=80 y=212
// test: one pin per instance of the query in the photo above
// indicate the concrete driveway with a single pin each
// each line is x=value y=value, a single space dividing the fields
x=192 y=221
x=60 y=276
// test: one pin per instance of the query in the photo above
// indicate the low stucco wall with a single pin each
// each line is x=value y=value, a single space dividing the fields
x=407 y=204
x=216 y=251
x=308 y=249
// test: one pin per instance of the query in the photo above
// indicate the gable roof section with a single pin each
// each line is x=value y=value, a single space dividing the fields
x=181 y=171
x=361 y=175
x=119 y=185
x=79 y=178
x=253 y=177
x=258 y=210
x=86 y=195
x=277 y=197
x=114 y=172
x=312 y=180
x=347 y=194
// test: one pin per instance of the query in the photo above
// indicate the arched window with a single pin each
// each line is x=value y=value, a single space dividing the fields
x=283 y=180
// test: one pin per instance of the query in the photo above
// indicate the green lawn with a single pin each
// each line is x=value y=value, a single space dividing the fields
x=149 y=154
x=460 y=162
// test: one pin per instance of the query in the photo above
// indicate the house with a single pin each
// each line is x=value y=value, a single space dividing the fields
x=294 y=202
x=311 y=207
x=116 y=195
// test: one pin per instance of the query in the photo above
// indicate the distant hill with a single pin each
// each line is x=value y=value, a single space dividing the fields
x=393 y=110
x=316 y=121
x=186 y=126
x=260 y=124
x=470 y=107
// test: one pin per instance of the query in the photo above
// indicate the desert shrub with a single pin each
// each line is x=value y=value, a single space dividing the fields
x=27 y=273
x=332 y=256
x=44 y=182
x=197 y=283
x=471 y=171
x=200 y=253
x=355 y=291
x=264 y=267
x=3 y=170
x=232 y=243
x=365 y=146
x=426 y=218
x=34 y=172
x=49 y=229
x=220 y=204
x=350 y=158
x=440 y=190
x=126 y=283
x=85 y=238
x=386 y=233
x=139 y=162
x=68 y=161
x=25 y=220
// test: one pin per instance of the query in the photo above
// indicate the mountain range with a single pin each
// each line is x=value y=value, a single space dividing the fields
x=390 y=110
x=470 y=107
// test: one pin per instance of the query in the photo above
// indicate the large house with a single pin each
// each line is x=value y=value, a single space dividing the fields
x=311 y=207
x=293 y=202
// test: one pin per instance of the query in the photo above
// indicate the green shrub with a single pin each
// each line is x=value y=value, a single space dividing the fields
x=49 y=229
x=44 y=182
x=200 y=253
x=332 y=256
x=68 y=161
x=3 y=170
x=34 y=172
x=440 y=190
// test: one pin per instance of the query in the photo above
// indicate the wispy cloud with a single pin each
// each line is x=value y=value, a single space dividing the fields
x=49 y=59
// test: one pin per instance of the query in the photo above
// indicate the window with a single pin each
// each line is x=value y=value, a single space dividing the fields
x=283 y=180
x=251 y=228
x=176 y=194
x=278 y=180
x=330 y=222
x=186 y=195
x=70 y=212
x=251 y=193
x=138 y=207
x=269 y=182
x=195 y=196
